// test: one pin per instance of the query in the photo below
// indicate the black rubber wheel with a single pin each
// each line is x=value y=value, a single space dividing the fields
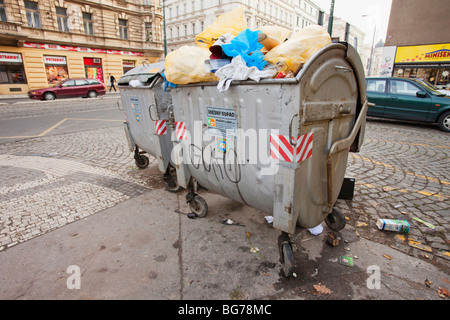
x=335 y=220
x=49 y=96
x=287 y=259
x=171 y=184
x=92 y=94
x=198 y=206
x=444 y=121
x=141 y=161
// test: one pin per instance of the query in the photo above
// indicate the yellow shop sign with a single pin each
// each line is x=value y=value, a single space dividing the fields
x=426 y=53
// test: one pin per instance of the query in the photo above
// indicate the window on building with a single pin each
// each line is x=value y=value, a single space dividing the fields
x=11 y=68
x=87 y=23
x=56 y=68
x=123 y=29
x=32 y=12
x=61 y=17
x=148 y=31
x=128 y=65
x=2 y=11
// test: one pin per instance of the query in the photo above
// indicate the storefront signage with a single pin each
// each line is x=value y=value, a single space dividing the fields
x=10 y=57
x=54 y=60
x=80 y=49
x=423 y=54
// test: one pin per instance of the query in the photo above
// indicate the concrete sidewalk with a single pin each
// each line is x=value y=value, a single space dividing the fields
x=143 y=249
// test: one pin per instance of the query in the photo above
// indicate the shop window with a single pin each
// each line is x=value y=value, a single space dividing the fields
x=11 y=68
x=123 y=29
x=87 y=23
x=32 y=12
x=55 y=69
x=443 y=79
x=61 y=17
x=128 y=65
x=2 y=11
x=93 y=68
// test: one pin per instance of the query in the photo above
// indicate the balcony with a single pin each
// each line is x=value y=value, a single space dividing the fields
x=10 y=32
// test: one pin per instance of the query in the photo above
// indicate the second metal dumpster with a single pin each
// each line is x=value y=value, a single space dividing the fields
x=280 y=145
x=145 y=104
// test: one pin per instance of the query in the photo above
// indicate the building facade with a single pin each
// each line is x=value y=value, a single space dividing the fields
x=44 y=41
x=418 y=42
x=186 y=19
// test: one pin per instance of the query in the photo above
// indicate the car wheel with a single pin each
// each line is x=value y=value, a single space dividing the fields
x=444 y=121
x=49 y=96
x=92 y=94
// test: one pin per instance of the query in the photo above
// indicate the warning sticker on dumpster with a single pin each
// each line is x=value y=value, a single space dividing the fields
x=136 y=108
x=222 y=122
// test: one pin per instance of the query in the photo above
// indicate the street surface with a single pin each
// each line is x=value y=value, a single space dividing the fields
x=71 y=195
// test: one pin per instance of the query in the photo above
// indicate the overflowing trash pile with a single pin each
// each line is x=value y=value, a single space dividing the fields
x=227 y=50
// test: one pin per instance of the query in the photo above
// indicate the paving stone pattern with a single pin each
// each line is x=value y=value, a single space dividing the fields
x=401 y=173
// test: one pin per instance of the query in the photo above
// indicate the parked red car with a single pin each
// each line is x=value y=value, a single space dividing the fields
x=90 y=88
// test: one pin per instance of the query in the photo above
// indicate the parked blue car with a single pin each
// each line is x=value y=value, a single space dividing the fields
x=408 y=99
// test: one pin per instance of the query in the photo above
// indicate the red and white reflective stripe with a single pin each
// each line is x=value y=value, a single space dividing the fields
x=281 y=149
x=180 y=128
x=161 y=127
x=304 y=147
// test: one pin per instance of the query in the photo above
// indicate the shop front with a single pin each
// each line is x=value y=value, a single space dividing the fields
x=12 y=72
x=93 y=68
x=427 y=62
x=36 y=66
x=56 y=68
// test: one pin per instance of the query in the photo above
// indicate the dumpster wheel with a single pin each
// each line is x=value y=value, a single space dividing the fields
x=171 y=183
x=288 y=259
x=335 y=220
x=198 y=205
x=141 y=161
x=286 y=255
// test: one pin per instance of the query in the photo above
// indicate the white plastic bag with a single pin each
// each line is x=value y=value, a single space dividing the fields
x=238 y=70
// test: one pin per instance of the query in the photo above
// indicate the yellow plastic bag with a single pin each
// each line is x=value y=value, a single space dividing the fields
x=276 y=32
x=186 y=65
x=230 y=22
x=300 y=47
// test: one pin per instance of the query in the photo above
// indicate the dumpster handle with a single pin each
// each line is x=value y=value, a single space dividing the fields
x=340 y=145
x=341 y=68
x=290 y=131
x=150 y=111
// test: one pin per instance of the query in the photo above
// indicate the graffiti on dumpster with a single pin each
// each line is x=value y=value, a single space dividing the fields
x=222 y=166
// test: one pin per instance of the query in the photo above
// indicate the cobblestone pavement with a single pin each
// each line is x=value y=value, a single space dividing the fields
x=401 y=173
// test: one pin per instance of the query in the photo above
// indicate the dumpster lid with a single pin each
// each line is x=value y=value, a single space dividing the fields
x=144 y=73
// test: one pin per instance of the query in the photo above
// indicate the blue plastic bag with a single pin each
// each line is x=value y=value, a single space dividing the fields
x=167 y=83
x=246 y=45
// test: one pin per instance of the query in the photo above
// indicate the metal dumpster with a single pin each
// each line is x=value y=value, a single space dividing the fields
x=145 y=103
x=280 y=145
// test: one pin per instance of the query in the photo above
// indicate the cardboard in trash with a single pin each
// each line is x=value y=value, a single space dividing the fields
x=393 y=225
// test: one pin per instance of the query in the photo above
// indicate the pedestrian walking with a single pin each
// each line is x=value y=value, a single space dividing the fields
x=111 y=81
